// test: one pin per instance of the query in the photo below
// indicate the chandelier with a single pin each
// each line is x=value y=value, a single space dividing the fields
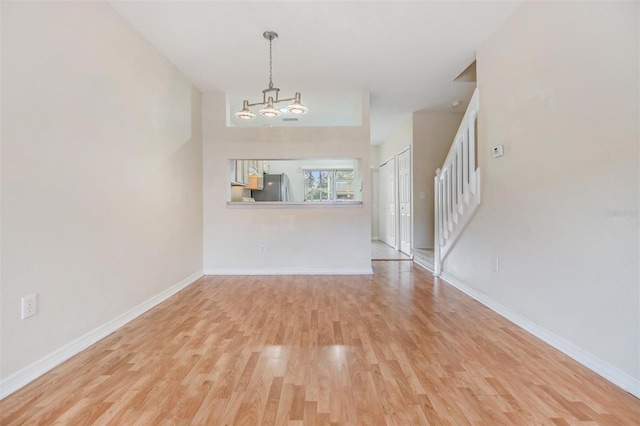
x=268 y=97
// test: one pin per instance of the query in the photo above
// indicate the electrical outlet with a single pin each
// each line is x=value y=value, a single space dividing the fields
x=495 y=264
x=29 y=306
x=262 y=249
x=497 y=151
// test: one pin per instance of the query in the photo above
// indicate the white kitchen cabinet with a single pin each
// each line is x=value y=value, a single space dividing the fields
x=256 y=176
x=239 y=173
x=247 y=173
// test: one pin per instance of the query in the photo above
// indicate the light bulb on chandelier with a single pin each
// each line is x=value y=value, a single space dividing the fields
x=245 y=113
x=270 y=111
x=296 y=107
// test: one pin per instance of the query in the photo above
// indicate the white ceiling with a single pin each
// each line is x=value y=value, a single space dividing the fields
x=405 y=53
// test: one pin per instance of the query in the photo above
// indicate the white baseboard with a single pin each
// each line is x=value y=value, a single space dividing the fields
x=287 y=271
x=604 y=369
x=31 y=372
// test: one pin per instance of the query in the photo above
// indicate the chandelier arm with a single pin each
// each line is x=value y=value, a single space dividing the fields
x=271 y=89
x=284 y=100
x=274 y=101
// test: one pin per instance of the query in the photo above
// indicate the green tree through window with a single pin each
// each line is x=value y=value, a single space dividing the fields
x=328 y=185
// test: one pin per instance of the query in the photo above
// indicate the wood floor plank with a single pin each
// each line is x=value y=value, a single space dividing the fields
x=397 y=347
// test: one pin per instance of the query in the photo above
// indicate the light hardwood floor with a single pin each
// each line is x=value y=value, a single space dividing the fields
x=392 y=348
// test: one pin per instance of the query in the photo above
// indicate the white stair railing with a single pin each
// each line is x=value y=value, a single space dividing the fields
x=457 y=186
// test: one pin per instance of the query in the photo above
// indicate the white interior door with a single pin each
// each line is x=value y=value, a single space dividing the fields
x=404 y=200
x=391 y=204
x=382 y=203
x=375 y=205
x=387 y=200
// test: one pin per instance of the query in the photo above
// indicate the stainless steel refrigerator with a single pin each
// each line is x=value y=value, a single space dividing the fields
x=276 y=188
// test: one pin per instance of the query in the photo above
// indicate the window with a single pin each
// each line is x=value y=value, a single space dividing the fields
x=328 y=185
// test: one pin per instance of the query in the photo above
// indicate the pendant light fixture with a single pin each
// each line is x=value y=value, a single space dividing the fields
x=268 y=97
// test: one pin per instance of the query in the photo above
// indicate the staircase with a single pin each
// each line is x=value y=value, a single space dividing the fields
x=457 y=186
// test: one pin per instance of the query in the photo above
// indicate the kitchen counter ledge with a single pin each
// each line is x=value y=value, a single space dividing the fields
x=292 y=204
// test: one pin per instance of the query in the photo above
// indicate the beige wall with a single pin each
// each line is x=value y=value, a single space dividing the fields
x=101 y=174
x=398 y=141
x=296 y=239
x=433 y=134
x=559 y=89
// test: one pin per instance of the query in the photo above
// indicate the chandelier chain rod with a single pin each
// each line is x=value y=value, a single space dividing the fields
x=270 y=64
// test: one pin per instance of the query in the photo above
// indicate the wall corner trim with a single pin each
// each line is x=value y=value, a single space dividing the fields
x=613 y=374
x=31 y=372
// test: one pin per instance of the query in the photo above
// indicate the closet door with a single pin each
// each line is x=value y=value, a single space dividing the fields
x=388 y=203
x=404 y=200
x=382 y=203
